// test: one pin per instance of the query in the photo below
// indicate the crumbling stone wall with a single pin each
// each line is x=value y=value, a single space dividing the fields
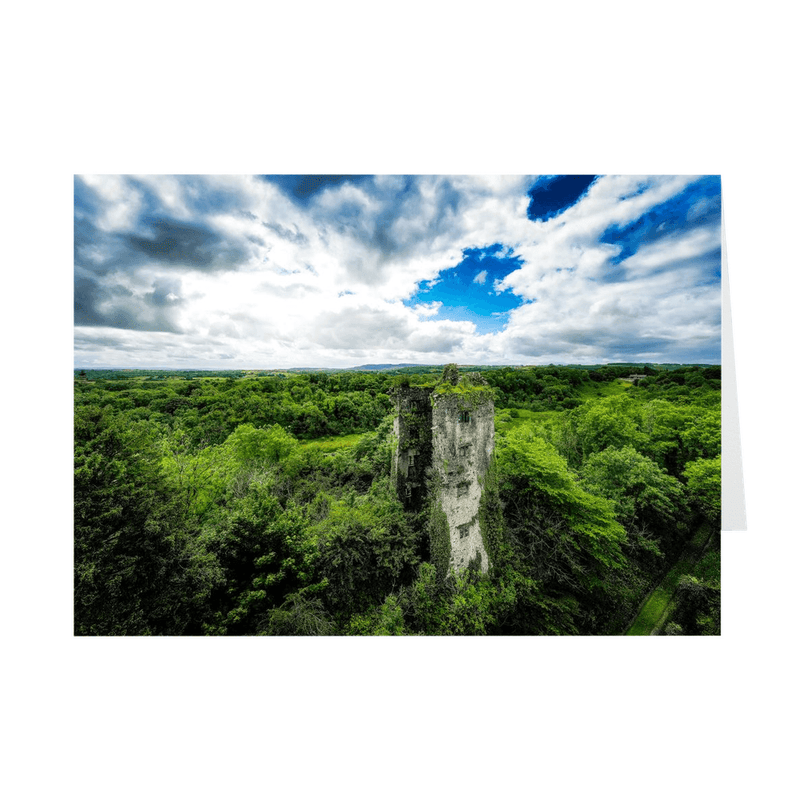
x=445 y=441
x=463 y=442
x=412 y=456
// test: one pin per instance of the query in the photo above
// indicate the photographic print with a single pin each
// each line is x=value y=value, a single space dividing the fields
x=339 y=405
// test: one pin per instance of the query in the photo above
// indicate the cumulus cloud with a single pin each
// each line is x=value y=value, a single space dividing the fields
x=427 y=309
x=281 y=270
x=586 y=305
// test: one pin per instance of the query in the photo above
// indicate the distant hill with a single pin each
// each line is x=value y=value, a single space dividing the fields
x=361 y=368
x=381 y=367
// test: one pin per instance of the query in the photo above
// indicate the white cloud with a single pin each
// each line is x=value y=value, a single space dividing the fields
x=427 y=309
x=323 y=283
x=122 y=202
x=673 y=250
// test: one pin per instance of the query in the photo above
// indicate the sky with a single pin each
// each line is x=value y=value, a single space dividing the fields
x=275 y=271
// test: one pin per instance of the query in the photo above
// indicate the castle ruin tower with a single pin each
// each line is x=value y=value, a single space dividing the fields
x=463 y=443
x=449 y=428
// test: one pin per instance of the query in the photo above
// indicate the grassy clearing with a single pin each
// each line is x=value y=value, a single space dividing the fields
x=523 y=418
x=330 y=443
x=657 y=604
x=592 y=390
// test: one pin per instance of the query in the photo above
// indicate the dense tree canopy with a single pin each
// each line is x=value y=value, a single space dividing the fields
x=230 y=504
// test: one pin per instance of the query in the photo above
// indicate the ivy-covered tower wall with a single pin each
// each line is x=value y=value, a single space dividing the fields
x=412 y=455
x=463 y=443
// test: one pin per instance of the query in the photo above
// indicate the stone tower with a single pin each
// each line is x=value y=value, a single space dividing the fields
x=412 y=457
x=445 y=441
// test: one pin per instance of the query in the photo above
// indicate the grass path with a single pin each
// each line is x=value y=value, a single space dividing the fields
x=654 y=610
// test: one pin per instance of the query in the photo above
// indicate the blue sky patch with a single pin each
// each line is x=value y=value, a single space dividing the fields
x=552 y=194
x=467 y=291
x=698 y=205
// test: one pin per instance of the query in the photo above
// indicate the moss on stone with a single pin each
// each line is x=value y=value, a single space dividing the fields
x=463 y=388
x=439 y=534
x=490 y=514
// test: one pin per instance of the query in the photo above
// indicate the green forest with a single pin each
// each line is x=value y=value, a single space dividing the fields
x=261 y=503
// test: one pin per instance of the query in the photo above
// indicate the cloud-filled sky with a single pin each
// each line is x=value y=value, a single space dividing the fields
x=255 y=272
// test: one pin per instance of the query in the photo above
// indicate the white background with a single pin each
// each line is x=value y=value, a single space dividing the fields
x=690 y=87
